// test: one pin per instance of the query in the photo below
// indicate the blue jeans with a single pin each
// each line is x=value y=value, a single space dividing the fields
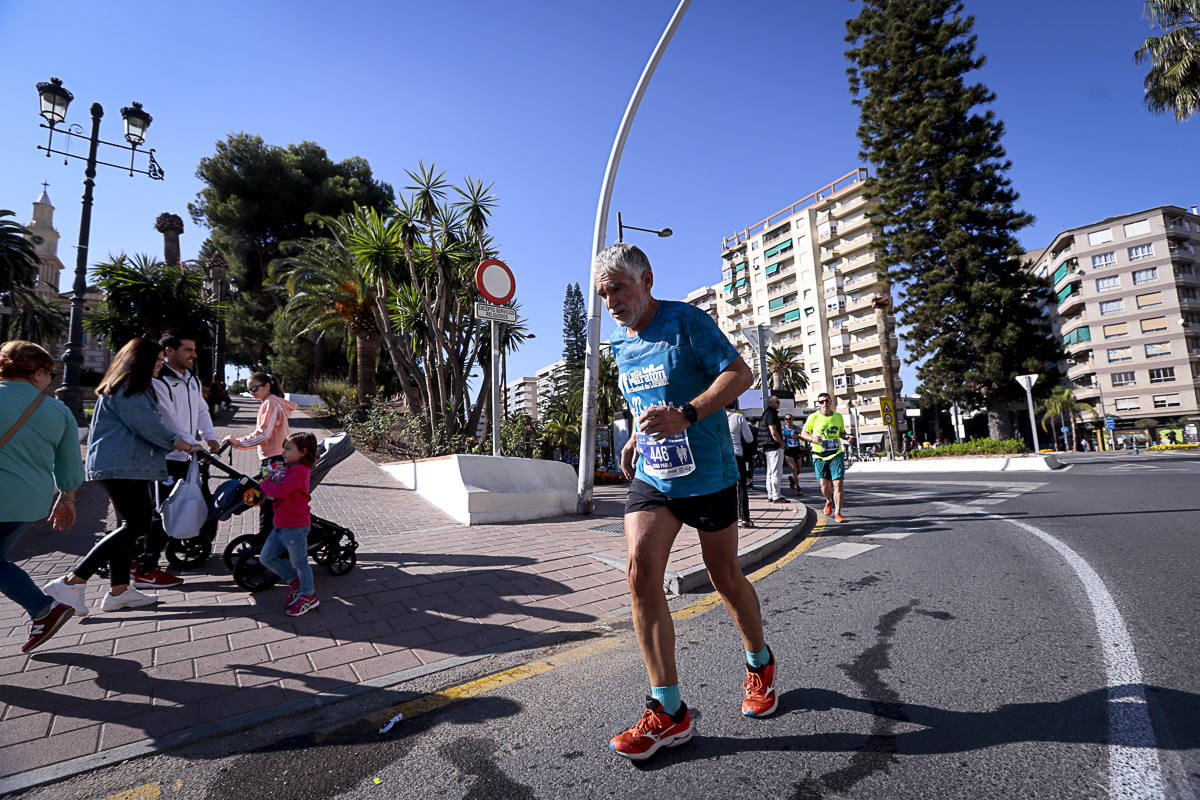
x=295 y=542
x=15 y=583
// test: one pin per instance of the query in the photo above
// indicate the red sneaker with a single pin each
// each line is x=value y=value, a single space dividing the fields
x=154 y=579
x=47 y=625
x=838 y=516
x=654 y=730
x=293 y=590
x=303 y=604
x=760 y=699
x=828 y=508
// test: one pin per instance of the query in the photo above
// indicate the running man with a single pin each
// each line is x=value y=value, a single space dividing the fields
x=677 y=372
x=826 y=429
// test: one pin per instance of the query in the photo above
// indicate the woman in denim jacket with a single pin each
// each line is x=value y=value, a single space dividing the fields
x=127 y=445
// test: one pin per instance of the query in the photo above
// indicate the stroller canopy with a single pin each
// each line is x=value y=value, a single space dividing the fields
x=330 y=452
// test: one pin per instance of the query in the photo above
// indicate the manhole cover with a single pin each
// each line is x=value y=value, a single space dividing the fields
x=610 y=527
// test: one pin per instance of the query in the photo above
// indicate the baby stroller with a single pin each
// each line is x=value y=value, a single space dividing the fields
x=329 y=544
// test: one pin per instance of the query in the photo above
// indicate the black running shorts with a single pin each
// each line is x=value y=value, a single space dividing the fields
x=707 y=513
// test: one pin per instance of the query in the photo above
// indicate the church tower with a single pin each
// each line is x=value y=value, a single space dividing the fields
x=44 y=239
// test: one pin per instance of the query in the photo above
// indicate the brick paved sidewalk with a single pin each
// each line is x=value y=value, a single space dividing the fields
x=426 y=592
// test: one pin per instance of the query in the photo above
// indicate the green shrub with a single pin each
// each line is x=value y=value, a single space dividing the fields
x=375 y=426
x=974 y=447
x=339 y=398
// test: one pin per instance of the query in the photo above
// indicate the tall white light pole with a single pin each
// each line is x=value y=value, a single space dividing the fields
x=587 y=435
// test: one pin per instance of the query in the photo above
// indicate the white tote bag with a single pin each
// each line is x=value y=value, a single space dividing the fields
x=185 y=510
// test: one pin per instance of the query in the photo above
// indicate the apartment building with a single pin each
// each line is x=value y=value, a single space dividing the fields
x=808 y=271
x=1128 y=312
x=521 y=397
x=705 y=299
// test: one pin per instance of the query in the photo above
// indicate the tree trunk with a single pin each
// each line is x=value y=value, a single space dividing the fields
x=1000 y=424
x=883 y=324
x=485 y=397
x=368 y=349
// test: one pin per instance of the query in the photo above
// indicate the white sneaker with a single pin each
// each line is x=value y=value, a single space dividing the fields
x=71 y=594
x=130 y=598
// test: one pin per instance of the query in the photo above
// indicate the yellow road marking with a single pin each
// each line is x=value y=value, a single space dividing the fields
x=488 y=683
x=147 y=791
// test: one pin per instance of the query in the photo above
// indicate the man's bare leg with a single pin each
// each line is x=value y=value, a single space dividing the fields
x=839 y=494
x=827 y=490
x=648 y=539
x=719 y=550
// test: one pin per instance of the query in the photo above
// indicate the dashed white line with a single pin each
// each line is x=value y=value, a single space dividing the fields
x=842 y=550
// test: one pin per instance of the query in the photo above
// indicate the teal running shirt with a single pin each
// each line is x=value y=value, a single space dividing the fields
x=672 y=361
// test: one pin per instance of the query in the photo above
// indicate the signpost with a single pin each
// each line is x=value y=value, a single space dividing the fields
x=759 y=337
x=496 y=283
x=887 y=410
x=1027 y=382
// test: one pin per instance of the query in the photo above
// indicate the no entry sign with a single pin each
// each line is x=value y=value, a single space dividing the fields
x=495 y=281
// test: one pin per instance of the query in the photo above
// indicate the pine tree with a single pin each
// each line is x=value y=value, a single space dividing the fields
x=574 y=342
x=973 y=316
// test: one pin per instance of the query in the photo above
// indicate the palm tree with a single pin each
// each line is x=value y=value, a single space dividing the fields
x=562 y=429
x=145 y=297
x=36 y=319
x=1062 y=403
x=18 y=266
x=327 y=289
x=786 y=368
x=1173 y=82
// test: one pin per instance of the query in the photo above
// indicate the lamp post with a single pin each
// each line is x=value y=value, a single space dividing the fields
x=662 y=233
x=54 y=102
x=218 y=269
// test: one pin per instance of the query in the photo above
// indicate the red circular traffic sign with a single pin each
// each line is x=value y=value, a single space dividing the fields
x=495 y=281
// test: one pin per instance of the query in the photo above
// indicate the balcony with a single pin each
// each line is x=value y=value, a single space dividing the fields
x=865 y=260
x=855 y=244
x=826 y=234
x=1071 y=303
x=829 y=255
x=857 y=223
x=839 y=344
x=864 y=342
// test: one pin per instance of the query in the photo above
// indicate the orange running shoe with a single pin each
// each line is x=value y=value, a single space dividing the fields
x=760 y=699
x=838 y=516
x=656 y=729
x=828 y=508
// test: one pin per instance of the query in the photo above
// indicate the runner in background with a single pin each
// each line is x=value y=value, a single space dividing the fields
x=741 y=435
x=826 y=430
x=792 y=451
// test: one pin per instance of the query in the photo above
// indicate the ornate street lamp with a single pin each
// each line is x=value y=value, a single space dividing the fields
x=218 y=269
x=54 y=102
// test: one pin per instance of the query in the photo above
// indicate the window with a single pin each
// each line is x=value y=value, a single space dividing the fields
x=1154 y=324
x=1128 y=404
x=1184 y=269
x=807 y=293
x=1149 y=300
x=1100 y=237
x=754 y=245
x=1162 y=375
x=1116 y=330
x=811 y=331
x=1188 y=293
x=1116 y=354
x=812 y=348
x=1108 y=284
x=814 y=369
x=1166 y=400
x=1138 y=228
x=1158 y=350
x=1112 y=307
x=809 y=311
x=1104 y=260
x=1149 y=275
x=1123 y=379
x=1141 y=251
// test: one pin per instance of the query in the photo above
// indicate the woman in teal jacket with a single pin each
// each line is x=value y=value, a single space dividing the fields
x=41 y=454
x=127 y=448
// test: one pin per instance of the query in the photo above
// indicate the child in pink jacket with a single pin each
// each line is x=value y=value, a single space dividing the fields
x=269 y=435
x=287 y=486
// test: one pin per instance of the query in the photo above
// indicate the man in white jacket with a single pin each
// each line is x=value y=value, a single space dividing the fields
x=182 y=407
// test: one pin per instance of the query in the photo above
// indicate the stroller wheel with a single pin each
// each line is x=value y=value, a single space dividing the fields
x=251 y=575
x=324 y=553
x=343 y=560
x=188 y=553
x=238 y=545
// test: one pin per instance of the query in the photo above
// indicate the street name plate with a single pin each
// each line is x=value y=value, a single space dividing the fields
x=498 y=313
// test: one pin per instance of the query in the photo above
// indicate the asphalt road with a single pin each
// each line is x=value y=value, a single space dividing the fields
x=965 y=636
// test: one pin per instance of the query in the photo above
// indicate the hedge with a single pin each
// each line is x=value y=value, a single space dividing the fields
x=974 y=447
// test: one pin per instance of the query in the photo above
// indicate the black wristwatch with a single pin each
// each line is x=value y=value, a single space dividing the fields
x=689 y=413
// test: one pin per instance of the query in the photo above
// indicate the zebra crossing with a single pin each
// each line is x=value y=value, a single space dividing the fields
x=993 y=494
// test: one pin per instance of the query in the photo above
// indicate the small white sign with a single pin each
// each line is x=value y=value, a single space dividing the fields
x=498 y=313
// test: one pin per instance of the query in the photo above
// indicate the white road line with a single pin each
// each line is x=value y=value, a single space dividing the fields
x=1133 y=763
x=843 y=550
x=887 y=535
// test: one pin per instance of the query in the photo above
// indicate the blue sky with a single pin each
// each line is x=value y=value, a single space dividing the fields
x=748 y=112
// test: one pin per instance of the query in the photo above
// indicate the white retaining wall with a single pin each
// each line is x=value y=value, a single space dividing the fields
x=1041 y=463
x=477 y=490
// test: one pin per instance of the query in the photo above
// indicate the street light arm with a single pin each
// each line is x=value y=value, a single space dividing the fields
x=587 y=435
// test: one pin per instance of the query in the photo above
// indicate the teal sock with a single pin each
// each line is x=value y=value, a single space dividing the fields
x=668 y=696
x=758 y=659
